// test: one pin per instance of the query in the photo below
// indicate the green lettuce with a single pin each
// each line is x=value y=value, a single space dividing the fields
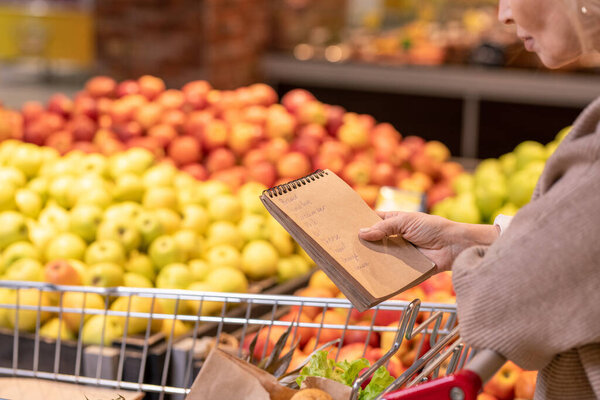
x=346 y=372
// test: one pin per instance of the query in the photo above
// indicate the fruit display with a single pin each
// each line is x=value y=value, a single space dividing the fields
x=498 y=186
x=234 y=136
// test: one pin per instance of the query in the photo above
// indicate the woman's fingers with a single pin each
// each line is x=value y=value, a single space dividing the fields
x=387 y=227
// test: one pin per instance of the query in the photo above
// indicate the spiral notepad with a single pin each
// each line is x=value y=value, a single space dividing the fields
x=323 y=214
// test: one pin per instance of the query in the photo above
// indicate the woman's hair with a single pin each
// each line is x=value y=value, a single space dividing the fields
x=585 y=15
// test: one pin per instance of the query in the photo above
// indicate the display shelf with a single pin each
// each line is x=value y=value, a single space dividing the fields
x=469 y=83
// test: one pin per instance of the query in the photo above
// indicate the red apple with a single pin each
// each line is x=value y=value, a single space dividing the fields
x=86 y=105
x=60 y=104
x=335 y=119
x=306 y=145
x=525 y=385
x=219 y=159
x=124 y=109
x=357 y=173
x=331 y=161
x=195 y=93
x=329 y=317
x=267 y=337
x=384 y=174
x=151 y=86
x=163 y=133
x=127 y=87
x=334 y=147
x=184 y=150
x=36 y=132
x=351 y=352
x=302 y=334
x=149 y=115
x=438 y=192
x=128 y=130
x=293 y=165
x=254 y=115
x=502 y=385
x=62 y=141
x=232 y=116
x=437 y=151
x=243 y=137
x=111 y=146
x=196 y=123
x=311 y=112
x=357 y=336
x=233 y=177
x=196 y=170
x=86 y=147
x=276 y=148
x=450 y=169
x=414 y=143
x=263 y=95
x=175 y=118
x=171 y=99
x=293 y=99
x=438 y=283
x=61 y=272
x=394 y=366
x=254 y=156
x=31 y=110
x=279 y=123
x=263 y=172
x=384 y=135
x=367 y=121
x=354 y=135
x=151 y=144
x=314 y=131
x=368 y=193
x=401 y=175
x=83 y=128
x=101 y=86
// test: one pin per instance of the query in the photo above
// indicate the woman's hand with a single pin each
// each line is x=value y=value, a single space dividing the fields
x=439 y=239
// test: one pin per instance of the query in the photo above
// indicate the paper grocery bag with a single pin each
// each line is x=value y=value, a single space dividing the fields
x=337 y=390
x=224 y=376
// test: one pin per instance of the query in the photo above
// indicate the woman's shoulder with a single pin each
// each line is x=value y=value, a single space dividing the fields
x=587 y=123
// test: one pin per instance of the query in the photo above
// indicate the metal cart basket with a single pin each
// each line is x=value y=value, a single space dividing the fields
x=164 y=367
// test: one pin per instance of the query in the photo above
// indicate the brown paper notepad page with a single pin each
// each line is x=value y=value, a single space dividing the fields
x=323 y=214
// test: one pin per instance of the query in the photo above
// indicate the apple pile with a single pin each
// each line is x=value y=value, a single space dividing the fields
x=128 y=220
x=498 y=186
x=236 y=136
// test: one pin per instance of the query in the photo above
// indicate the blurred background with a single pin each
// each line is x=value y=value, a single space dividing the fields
x=440 y=69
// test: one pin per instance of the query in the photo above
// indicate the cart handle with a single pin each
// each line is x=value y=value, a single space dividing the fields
x=464 y=385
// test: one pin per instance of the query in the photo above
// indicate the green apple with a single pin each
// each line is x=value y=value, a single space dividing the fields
x=106 y=275
x=56 y=217
x=225 y=207
x=12 y=176
x=224 y=232
x=489 y=197
x=86 y=182
x=210 y=189
x=40 y=186
x=529 y=151
x=522 y=183
x=55 y=328
x=65 y=245
x=164 y=250
x=160 y=175
x=13 y=228
x=7 y=197
x=195 y=217
x=280 y=238
x=134 y=280
x=442 y=208
x=95 y=164
x=302 y=253
x=487 y=171
x=254 y=227
x=27 y=158
x=189 y=242
x=98 y=324
x=149 y=226
x=137 y=304
x=61 y=190
x=174 y=276
x=27 y=319
x=25 y=269
x=174 y=327
x=126 y=211
x=105 y=250
x=199 y=269
x=98 y=196
x=160 y=197
x=226 y=279
x=184 y=180
x=171 y=306
x=249 y=194
x=169 y=219
x=224 y=255
x=82 y=271
x=292 y=267
x=17 y=251
x=203 y=307
x=259 y=259
x=551 y=148
x=189 y=195
x=28 y=202
x=140 y=264
x=84 y=221
x=563 y=133
x=40 y=235
x=81 y=302
x=135 y=160
x=128 y=187
x=508 y=162
x=124 y=232
x=465 y=209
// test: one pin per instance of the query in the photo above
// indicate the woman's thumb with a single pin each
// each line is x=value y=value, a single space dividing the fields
x=386 y=227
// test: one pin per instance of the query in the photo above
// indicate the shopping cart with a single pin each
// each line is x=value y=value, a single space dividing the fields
x=164 y=367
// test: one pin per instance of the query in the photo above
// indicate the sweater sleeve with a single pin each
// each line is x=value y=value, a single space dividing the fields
x=535 y=292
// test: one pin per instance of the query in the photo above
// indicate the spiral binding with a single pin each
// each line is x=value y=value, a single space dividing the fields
x=287 y=187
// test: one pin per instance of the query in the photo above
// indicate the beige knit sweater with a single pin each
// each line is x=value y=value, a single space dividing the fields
x=534 y=294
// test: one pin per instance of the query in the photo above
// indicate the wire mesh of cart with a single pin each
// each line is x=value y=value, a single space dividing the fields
x=154 y=361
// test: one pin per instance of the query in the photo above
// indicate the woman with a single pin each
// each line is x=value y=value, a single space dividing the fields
x=530 y=290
